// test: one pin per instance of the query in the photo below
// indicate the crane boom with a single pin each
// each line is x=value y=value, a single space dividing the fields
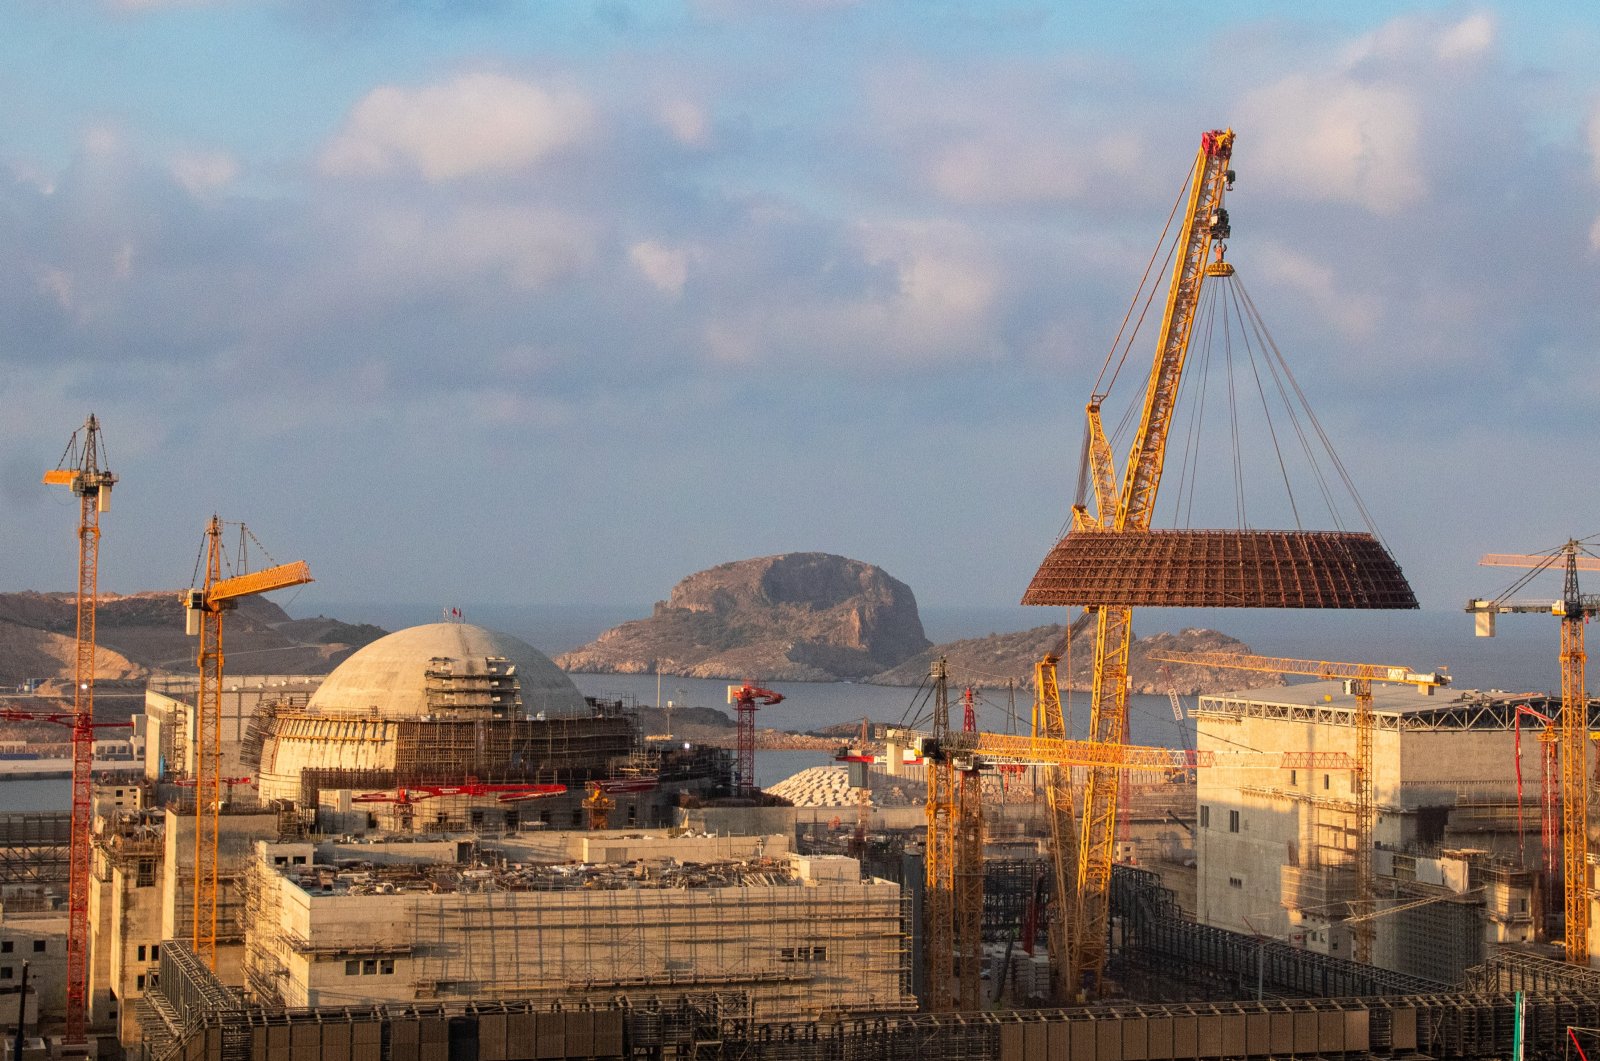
x=1325 y=669
x=264 y=581
x=1536 y=562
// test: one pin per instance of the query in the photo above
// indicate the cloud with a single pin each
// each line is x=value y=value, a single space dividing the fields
x=687 y=122
x=477 y=123
x=1328 y=138
x=667 y=268
x=204 y=172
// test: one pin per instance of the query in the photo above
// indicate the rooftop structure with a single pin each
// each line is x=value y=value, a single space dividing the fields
x=1220 y=569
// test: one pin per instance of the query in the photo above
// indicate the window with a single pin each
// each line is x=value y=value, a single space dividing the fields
x=155 y=952
x=147 y=873
x=1205 y=816
x=280 y=860
x=803 y=954
x=5 y=946
x=1236 y=882
x=1325 y=781
x=1294 y=778
x=386 y=966
x=141 y=953
x=38 y=945
x=369 y=966
x=297 y=860
x=1233 y=821
x=138 y=981
x=5 y=972
x=352 y=967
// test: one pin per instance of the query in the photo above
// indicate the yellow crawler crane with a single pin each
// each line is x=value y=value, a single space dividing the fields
x=205 y=607
x=1360 y=676
x=1082 y=963
x=1574 y=610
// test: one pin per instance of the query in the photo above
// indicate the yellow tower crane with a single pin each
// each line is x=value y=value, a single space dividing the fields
x=205 y=607
x=1573 y=609
x=80 y=470
x=953 y=914
x=1360 y=676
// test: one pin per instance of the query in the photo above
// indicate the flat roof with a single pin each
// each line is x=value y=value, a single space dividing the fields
x=1396 y=706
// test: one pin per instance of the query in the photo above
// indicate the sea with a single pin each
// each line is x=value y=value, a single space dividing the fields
x=1522 y=658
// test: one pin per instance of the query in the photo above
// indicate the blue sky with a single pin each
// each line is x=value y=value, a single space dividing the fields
x=505 y=302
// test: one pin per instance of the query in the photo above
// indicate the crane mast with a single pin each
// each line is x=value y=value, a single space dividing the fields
x=1205 y=221
x=206 y=607
x=939 y=883
x=80 y=470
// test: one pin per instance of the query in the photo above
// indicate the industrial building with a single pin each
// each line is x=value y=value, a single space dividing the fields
x=1276 y=835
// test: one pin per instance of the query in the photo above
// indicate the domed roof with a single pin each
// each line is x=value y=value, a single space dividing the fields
x=391 y=675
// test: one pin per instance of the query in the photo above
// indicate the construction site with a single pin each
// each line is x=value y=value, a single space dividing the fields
x=443 y=851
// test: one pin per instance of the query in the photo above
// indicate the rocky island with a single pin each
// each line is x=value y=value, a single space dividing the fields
x=794 y=617
x=820 y=617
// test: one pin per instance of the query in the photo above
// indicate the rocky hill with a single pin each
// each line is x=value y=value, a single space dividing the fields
x=139 y=633
x=794 y=617
x=995 y=659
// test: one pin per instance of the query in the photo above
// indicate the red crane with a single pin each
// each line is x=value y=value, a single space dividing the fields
x=80 y=469
x=744 y=698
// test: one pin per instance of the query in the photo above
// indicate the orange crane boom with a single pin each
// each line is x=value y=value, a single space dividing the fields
x=205 y=607
x=80 y=469
x=1574 y=609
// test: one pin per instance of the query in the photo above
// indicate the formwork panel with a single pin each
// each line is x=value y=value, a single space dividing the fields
x=335 y=1041
x=492 y=1037
x=1036 y=1041
x=1357 y=1031
x=1011 y=1043
x=1208 y=1036
x=520 y=1037
x=1258 y=1034
x=580 y=1033
x=1403 y=1030
x=1083 y=1040
x=608 y=1033
x=1282 y=1034
x=1135 y=1038
x=1158 y=1038
x=1185 y=1037
x=1305 y=1033
x=550 y=1035
x=1108 y=1040
x=1330 y=1033
x=1233 y=1037
x=1059 y=1041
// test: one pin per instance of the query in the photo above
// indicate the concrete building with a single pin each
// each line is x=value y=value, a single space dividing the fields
x=577 y=915
x=1276 y=829
x=38 y=939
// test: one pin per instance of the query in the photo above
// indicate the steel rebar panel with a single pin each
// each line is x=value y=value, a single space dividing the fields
x=1220 y=569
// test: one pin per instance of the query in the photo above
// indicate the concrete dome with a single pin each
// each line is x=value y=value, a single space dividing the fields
x=390 y=677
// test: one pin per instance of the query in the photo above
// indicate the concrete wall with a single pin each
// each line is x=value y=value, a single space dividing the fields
x=41 y=941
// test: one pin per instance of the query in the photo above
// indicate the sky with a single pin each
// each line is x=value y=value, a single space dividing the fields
x=485 y=302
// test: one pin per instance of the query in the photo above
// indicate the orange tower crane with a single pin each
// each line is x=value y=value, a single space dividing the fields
x=744 y=699
x=205 y=607
x=80 y=469
x=1360 y=676
x=1573 y=609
